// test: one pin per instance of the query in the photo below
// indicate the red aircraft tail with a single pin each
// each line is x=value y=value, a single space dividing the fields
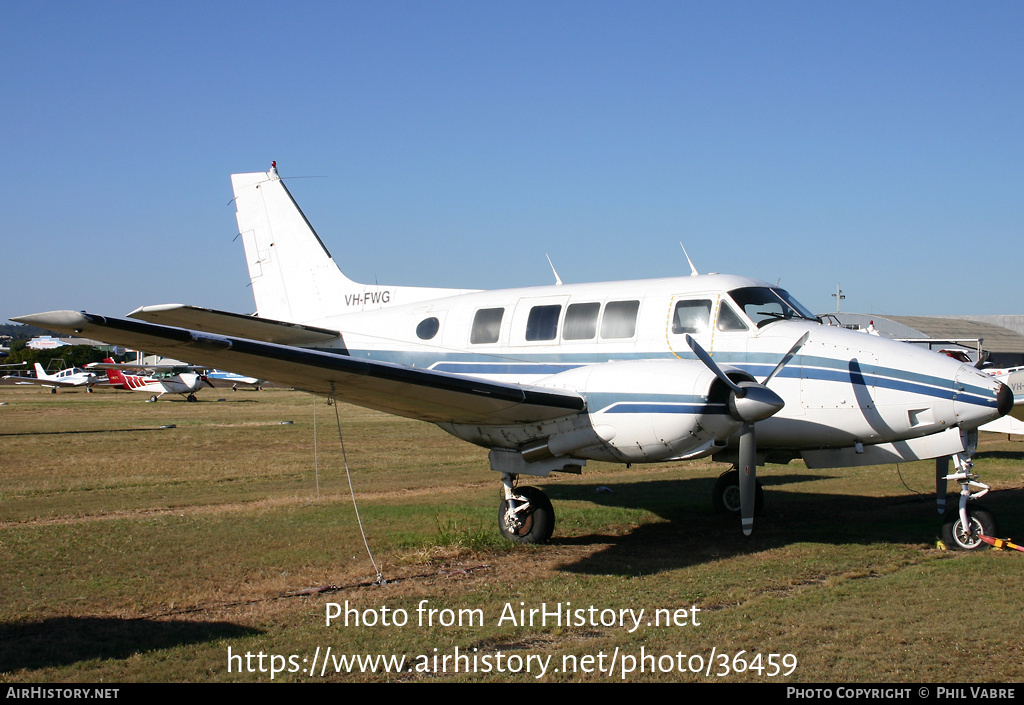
x=115 y=376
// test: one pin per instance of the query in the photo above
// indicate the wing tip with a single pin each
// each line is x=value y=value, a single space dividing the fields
x=55 y=320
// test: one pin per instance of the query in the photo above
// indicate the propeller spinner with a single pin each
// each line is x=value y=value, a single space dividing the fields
x=749 y=402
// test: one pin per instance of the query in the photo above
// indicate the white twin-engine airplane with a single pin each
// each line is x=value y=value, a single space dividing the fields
x=550 y=377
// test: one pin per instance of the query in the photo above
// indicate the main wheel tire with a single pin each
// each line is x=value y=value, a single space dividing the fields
x=726 y=495
x=980 y=521
x=538 y=523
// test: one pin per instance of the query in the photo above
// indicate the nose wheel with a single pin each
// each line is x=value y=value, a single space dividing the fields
x=961 y=536
x=964 y=524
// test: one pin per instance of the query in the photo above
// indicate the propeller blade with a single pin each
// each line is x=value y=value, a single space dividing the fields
x=710 y=364
x=941 y=470
x=787 y=357
x=748 y=477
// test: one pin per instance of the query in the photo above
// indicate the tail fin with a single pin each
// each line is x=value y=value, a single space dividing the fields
x=40 y=372
x=294 y=278
x=115 y=377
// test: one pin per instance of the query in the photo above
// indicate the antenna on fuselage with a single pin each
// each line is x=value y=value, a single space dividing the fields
x=558 y=279
x=693 y=270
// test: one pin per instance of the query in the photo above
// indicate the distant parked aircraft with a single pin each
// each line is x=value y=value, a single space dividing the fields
x=166 y=379
x=70 y=377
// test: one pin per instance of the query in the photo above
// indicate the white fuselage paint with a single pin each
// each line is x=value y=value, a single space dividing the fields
x=843 y=387
x=647 y=396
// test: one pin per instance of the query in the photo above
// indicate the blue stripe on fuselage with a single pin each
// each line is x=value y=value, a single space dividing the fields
x=758 y=365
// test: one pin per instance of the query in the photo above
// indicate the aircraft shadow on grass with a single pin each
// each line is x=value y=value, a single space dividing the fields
x=1000 y=455
x=62 y=641
x=693 y=533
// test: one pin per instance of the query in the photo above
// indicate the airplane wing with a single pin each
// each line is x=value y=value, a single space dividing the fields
x=427 y=395
x=154 y=368
x=235 y=324
x=1006 y=424
x=10 y=379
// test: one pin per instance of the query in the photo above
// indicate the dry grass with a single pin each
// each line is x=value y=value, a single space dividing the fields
x=135 y=553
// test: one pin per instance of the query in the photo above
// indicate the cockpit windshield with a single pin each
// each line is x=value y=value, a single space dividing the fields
x=763 y=305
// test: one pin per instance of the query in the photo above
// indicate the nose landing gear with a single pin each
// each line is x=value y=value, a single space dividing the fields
x=965 y=527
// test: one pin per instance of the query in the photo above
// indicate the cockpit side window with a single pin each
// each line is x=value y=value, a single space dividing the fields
x=486 y=326
x=729 y=320
x=691 y=317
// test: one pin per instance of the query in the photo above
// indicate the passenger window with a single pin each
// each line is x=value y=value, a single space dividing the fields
x=580 y=321
x=543 y=322
x=619 y=319
x=691 y=317
x=729 y=320
x=427 y=328
x=486 y=325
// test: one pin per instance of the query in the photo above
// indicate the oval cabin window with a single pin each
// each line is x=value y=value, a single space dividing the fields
x=427 y=328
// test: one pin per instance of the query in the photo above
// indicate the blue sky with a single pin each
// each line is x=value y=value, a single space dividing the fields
x=876 y=145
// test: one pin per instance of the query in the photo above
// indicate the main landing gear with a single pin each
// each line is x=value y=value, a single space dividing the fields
x=525 y=514
x=725 y=497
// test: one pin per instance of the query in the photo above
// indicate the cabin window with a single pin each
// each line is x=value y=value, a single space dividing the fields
x=729 y=320
x=486 y=326
x=619 y=319
x=580 y=321
x=691 y=317
x=427 y=328
x=543 y=322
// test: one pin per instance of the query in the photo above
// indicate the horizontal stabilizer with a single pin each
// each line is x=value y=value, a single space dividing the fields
x=234 y=324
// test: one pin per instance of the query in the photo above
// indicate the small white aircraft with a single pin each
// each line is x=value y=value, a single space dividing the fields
x=222 y=378
x=550 y=377
x=70 y=377
x=166 y=379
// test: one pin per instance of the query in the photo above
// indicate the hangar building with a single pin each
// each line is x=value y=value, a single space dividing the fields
x=1004 y=345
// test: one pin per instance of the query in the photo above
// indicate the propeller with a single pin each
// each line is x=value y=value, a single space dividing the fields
x=749 y=403
x=941 y=470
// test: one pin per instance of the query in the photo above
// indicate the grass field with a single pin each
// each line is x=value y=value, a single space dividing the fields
x=208 y=542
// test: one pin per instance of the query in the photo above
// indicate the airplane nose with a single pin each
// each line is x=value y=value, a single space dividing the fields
x=1004 y=400
x=976 y=392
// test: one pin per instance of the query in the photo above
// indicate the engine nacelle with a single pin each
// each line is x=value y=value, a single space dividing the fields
x=649 y=410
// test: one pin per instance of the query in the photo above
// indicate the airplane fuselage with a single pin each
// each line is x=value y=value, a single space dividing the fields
x=843 y=388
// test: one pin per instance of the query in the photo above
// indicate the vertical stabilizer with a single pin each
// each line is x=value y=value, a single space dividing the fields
x=294 y=278
x=115 y=377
